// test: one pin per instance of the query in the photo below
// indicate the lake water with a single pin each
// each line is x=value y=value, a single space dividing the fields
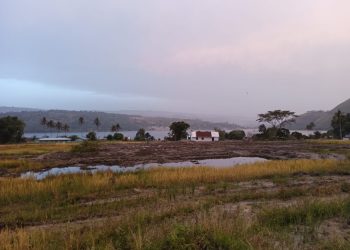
x=131 y=134
x=214 y=163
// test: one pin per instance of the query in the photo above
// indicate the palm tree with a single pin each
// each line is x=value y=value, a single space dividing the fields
x=43 y=122
x=97 y=123
x=65 y=129
x=115 y=128
x=118 y=127
x=59 y=127
x=50 y=125
x=340 y=116
x=81 y=122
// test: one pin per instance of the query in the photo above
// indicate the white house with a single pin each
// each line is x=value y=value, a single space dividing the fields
x=205 y=136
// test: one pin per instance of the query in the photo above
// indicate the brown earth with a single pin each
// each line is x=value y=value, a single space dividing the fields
x=129 y=154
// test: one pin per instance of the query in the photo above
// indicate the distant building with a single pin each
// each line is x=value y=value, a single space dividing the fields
x=205 y=136
x=62 y=139
x=347 y=137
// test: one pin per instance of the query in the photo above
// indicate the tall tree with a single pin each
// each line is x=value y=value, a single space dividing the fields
x=115 y=128
x=81 y=123
x=340 y=123
x=43 y=122
x=11 y=129
x=66 y=128
x=178 y=130
x=140 y=135
x=58 y=127
x=310 y=126
x=97 y=123
x=277 y=118
x=50 y=125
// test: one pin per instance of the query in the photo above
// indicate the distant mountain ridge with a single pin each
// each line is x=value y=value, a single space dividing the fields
x=4 y=109
x=127 y=122
x=322 y=119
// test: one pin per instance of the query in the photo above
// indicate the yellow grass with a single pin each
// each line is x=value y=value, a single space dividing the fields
x=33 y=149
x=19 y=165
x=161 y=177
x=333 y=142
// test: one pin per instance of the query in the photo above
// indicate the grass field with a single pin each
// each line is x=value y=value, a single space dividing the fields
x=285 y=204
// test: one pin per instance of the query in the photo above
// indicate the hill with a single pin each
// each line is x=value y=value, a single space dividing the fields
x=322 y=119
x=4 y=109
x=127 y=122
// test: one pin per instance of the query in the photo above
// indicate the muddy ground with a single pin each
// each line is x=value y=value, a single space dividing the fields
x=129 y=154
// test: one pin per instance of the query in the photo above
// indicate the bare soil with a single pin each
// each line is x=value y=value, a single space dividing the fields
x=129 y=154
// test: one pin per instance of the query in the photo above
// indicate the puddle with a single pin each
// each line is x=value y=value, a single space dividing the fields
x=214 y=163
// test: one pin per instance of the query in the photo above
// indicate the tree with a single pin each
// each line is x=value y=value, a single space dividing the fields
x=178 y=130
x=115 y=128
x=222 y=133
x=262 y=128
x=118 y=137
x=236 y=135
x=11 y=129
x=140 y=135
x=97 y=123
x=310 y=126
x=81 y=123
x=58 y=127
x=91 y=136
x=43 y=122
x=50 y=125
x=341 y=124
x=277 y=118
x=66 y=128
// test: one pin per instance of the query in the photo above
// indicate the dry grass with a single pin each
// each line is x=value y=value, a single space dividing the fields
x=19 y=165
x=330 y=142
x=33 y=149
x=157 y=222
x=15 y=189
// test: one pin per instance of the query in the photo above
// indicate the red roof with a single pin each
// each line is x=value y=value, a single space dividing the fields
x=203 y=134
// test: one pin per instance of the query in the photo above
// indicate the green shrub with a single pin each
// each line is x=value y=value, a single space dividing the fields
x=236 y=135
x=91 y=136
x=118 y=137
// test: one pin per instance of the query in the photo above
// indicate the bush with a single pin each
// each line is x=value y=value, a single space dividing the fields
x=11 y=129
x=91 y=136
x=236 y=135
x=283 y=133
x=297 y=135
x=109 y=137
x=86 y=147
x=118 y=137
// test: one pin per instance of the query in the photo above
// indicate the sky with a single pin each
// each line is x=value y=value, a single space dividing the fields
x=227 y=57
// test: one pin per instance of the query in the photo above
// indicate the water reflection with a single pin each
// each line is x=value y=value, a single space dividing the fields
x=214 y=163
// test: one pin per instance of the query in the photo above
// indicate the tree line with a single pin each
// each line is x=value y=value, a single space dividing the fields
x=273 y=126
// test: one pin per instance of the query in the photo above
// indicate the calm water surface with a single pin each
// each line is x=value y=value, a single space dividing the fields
x=214 y=163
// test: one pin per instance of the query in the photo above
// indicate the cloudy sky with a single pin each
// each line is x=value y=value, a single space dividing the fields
x=231 y=57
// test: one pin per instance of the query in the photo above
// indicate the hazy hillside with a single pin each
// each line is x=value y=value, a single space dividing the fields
x=322 y=119
x=4 y=109
x=127 y=122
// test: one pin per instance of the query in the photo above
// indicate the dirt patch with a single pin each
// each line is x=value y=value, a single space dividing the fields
x=129 y=154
